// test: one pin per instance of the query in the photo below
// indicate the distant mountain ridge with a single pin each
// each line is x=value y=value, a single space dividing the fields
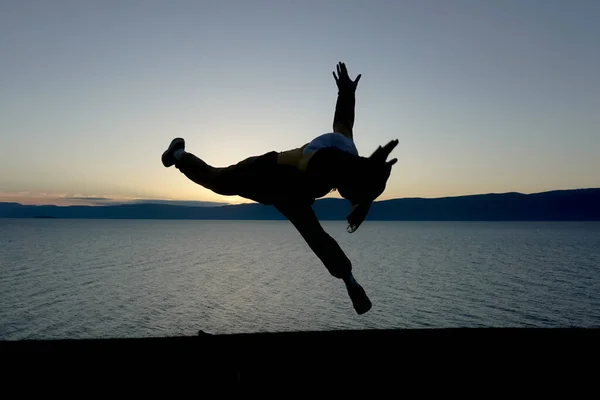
x=557 y=205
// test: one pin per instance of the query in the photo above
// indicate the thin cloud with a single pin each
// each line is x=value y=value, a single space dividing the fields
x=62 y=199
x=190 y=203
x=89 y=198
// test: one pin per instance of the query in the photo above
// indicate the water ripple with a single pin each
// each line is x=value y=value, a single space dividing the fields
x=79 y=278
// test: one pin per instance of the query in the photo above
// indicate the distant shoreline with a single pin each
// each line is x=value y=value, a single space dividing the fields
x=322 y=220
x=560 y=205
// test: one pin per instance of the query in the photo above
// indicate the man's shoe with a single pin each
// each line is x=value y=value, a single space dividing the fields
x=360 y=300
x=168 y=157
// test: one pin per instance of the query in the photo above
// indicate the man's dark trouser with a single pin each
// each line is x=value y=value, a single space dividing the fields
x=261 y=179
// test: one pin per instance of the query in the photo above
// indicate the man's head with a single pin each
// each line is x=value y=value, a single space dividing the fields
x=366 y=183
x=359 y=180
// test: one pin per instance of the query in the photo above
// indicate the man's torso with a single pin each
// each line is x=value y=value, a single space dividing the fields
x=299 y=158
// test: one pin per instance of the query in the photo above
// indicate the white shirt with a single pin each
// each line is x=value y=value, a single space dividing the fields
x=332 y=139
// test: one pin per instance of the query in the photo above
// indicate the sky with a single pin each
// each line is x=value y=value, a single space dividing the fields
x=483 y=96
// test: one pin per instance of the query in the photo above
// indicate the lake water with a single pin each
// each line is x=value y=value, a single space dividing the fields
x=141 y=278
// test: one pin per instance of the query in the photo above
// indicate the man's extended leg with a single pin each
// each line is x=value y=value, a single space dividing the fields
x=191 y=166
x=248 y=178
x=327 y=250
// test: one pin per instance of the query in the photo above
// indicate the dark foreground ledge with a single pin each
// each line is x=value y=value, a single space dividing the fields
x=325 y=355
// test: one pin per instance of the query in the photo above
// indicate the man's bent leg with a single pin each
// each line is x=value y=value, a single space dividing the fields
x=225 y=181
x=205 y=175
x=327 y=250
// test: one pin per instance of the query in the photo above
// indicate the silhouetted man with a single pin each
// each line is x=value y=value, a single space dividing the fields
x=291 y=181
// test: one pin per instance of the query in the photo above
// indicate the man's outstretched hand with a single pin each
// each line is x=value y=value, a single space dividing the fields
x=381 y=153
x=343 y=81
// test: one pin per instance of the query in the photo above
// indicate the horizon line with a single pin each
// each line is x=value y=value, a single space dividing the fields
x=109 y=202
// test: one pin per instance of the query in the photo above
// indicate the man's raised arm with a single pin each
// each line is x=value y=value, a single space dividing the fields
x=343 y=119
